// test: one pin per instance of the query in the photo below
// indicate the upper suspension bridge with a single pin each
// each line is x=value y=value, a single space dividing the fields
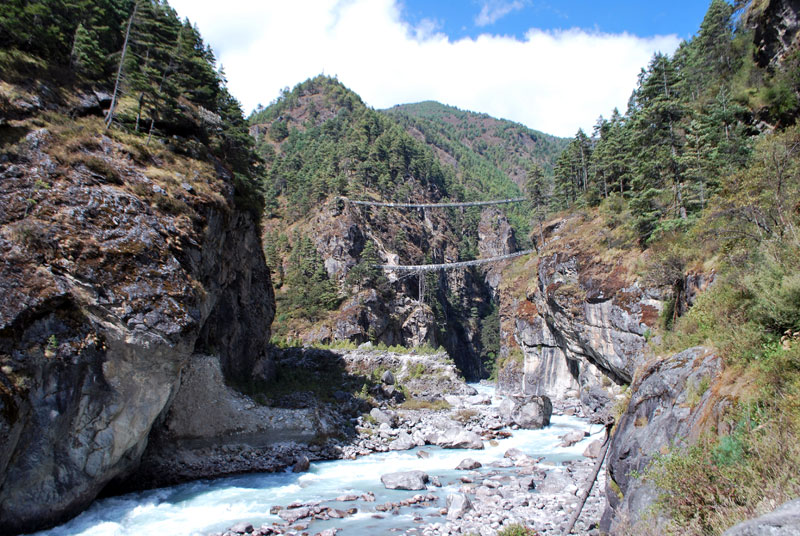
x=419 y=269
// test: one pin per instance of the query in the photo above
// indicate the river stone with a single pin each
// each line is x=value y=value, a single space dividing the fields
x=388 y=378
x=242 y=528
x=478 y=400
x=403 y=442
x=423 y=454
x=457 y=505
x=513 y=453
x=533 y=413
x=408 y=480
x=383 y=417
x=468 y=464
x=301 y=465
x=458 y=438
x=570 y=438
x=453 y=400
x=784 y=521
x=290 y=516
x=594 y=448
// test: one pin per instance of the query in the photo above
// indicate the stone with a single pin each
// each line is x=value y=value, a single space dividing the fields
x=301 y=465
x=513 y=453
x=292 y=515
x=478 y=400
x=458 y=438
x=468 y=464
x=328 y=532
x=404 y=441
x=407 y=480
x=424 y=454
x=783 y=521
x=383 y=417
x=388 y=378
x=533 y=413
x=571 y=438
x=593 y=449
x=242 y=528
x=458 y=504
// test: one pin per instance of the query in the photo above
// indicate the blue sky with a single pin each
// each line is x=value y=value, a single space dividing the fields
x=553 y=66
x=457 y=18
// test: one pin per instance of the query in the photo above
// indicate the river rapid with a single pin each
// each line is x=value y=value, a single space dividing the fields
x=209 y=506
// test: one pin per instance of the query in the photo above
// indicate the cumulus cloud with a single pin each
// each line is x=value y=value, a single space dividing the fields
x=494 y=10
x=554 y=81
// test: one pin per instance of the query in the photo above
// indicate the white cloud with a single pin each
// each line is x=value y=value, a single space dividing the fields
x=494 y=10
x=554 y=81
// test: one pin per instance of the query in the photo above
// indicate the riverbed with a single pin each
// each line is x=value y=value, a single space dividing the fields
x=208 y=506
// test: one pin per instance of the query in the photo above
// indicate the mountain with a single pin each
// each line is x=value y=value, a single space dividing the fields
x=484 y=150
x=320 y=142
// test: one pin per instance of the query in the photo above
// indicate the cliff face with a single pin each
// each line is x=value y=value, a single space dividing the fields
x=673 y=401
x=119 y=262
x=775 y=25
x=580 y=317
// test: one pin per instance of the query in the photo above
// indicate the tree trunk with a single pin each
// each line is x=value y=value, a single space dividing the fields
x=110 y=116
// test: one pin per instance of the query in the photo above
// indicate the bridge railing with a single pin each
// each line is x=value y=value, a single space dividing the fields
x=450 y=265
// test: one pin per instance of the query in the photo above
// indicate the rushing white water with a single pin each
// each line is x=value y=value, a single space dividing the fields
x=203 y=507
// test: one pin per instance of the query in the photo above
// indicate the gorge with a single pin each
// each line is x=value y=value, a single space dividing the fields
x=192 y=306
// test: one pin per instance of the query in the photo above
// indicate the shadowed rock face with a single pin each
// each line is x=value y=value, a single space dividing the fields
x=775 y=24
x=660 y=414
x=107 y=285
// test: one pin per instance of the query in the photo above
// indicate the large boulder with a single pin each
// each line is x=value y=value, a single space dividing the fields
x=783 y=521
x=458 y=504
x=532 y=412
x=407 y=480
x=458 y=438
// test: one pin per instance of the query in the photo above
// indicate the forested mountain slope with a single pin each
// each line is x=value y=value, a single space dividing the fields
x=486 y=150
x=320 y=141
x=671 y=265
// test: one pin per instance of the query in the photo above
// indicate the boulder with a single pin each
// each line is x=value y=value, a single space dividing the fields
x=478 y=400
x=242 y=528
x=593 y=449
x=659 y=416
x=533 y=413
x=403 y=442
x=457 y=505
x=458 y=438
x=383 y=417
x=468 y=464
x=292 y=515
x=784 y=521
x=301 y=465
x=388 y=378
x=407 y=480
x=571 y=438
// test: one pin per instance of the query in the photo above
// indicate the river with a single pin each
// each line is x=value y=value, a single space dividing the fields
x=208 y=506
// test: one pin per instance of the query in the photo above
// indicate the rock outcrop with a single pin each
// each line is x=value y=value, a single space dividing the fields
x=114 y=273
x=670 y=406
x=775 y=25
x=783 y=521
x=581 y=320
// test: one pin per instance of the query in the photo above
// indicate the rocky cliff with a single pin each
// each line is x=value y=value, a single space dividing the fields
x=674 y=400
x=580 y=315
x=120 y=261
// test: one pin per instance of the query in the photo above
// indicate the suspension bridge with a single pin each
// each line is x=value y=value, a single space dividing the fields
x=434 y=205
x=419 y=269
